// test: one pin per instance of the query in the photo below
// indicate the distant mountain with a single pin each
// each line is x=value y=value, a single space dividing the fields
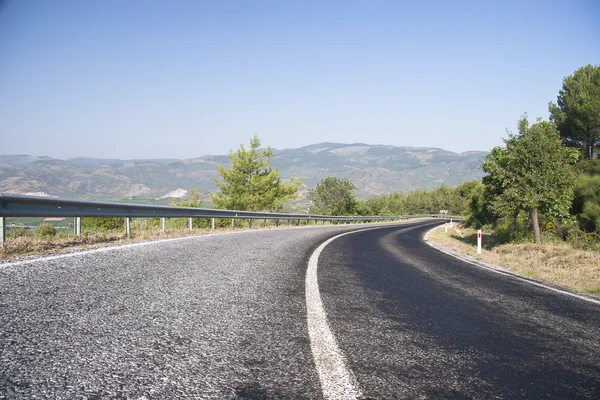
x=113 y=161
x=374 y=169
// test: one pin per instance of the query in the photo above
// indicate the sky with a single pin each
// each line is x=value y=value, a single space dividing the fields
x=138 y=79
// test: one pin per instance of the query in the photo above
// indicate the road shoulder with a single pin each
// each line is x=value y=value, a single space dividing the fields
x=447 y=248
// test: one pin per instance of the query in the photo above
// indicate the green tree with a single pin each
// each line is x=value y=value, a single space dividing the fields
x=464 y=194
x=194 y=200
x=333 y=196
x=250 y=184
x=577 y=112
x=586 y=205
x=587 y=202
x=502 y=195
x=480 y=212
x=532 y=173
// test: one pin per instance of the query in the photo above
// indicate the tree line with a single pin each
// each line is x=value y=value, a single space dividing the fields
x=250 y=184
x=545 y=180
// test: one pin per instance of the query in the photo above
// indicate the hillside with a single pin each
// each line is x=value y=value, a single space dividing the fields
x=375 y=169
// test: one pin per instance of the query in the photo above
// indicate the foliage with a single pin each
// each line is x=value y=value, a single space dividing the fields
x=333 y=196
x=590 y=167
x=531 y=173
x=480 y=212
x=44 y=231
x=420 y=201
x=577 y=112
x=586 y=204
x=250 y=184
x=17 y=232
x=465 y=192
x=102 y=224
x=194 y=200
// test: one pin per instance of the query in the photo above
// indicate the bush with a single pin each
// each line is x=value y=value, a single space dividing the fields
x=16 y=232
x=106 y=224
x=44 y=231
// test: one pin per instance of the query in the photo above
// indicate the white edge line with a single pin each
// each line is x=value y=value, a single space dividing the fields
x=113 y=247
x=337 y=381
x=110 y=247
x=492 y=268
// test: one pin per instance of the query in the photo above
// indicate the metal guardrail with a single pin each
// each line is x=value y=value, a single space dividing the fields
x=30 y=206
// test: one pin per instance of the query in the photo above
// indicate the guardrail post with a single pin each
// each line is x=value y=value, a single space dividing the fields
x=77 y=226
x=289 y=222
x=250 y=223
x=298 y=221
x=127 y=226
x=232 y=223
x=212 y=224
x=265 y=224
x=277 y=222
x=162 y=224
x=190 y=223
x=2 y=231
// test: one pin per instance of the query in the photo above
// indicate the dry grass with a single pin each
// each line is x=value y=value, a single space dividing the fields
x=23 y=246
x=558 y=264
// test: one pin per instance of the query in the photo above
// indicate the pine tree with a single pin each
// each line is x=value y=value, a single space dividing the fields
x=250 y=184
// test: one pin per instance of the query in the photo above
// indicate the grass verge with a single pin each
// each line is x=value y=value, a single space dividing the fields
x=561 y=265
x=29 y=245
x=20 y=243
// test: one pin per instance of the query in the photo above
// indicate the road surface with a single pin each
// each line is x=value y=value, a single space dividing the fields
x=225 y=317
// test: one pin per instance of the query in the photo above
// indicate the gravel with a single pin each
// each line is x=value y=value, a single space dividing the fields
x=211 y=317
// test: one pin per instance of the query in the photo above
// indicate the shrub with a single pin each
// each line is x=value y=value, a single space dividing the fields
x=16 y=232
x=107 y=224
x=44 y=231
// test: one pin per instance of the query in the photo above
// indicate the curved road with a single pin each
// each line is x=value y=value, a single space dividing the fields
x=225 y=316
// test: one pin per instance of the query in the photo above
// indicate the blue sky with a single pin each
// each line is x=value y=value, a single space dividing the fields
x=181 y=79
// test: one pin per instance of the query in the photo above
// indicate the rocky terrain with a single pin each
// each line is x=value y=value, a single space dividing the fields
x=374 y=169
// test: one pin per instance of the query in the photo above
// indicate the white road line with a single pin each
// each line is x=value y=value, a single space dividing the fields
x=337 y=381
x=111 y=247
x=491 y=268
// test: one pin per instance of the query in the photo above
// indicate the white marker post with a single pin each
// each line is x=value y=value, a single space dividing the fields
x=479 y=241
x=2 y=231
x=77 y=226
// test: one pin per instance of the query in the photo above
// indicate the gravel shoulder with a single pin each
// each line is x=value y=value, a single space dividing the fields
x=559 y=266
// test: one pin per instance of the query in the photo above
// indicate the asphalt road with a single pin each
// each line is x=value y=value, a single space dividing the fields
x=225 y=317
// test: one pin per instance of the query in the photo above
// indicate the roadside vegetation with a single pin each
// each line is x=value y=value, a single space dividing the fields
x=102 y=232
x=250 y=184
x=554 y=262
x=539 y=202
x=542 y=186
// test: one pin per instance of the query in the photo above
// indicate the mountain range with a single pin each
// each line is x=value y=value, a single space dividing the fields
x=374 y=169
